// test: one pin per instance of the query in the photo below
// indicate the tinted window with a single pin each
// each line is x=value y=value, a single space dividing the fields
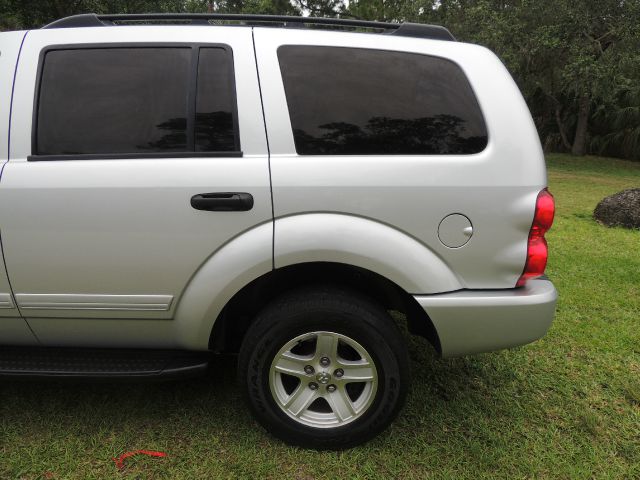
x=347 y=101
x=136 y=100
x=215 y=102
x=113 y=100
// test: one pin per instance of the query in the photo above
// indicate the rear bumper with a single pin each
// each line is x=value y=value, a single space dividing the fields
x=474 y=321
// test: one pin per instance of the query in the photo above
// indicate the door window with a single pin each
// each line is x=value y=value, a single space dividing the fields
x=136 y=101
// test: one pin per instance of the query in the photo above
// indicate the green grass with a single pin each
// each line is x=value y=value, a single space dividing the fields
x=567 y=406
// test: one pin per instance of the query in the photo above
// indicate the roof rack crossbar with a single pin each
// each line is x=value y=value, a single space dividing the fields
x=401 y=29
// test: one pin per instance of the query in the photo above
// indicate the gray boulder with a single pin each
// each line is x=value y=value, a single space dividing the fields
x=620 y=210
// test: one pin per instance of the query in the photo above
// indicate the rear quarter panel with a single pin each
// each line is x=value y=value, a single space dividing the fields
x=496 y=189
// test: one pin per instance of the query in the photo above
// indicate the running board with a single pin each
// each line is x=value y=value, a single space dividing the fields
x=39 y=362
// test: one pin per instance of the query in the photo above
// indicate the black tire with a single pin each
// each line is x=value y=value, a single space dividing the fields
x=326 y=309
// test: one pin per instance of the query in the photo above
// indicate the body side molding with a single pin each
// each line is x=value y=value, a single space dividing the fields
x=93 y=302
x=6 y=300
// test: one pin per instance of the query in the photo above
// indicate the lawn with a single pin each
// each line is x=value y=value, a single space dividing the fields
x=567 y=406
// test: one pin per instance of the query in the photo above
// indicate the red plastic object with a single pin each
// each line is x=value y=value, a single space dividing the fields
x=537 y=251
x=120 y=460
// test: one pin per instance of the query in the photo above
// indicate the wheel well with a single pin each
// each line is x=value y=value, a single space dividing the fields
x=234 y=319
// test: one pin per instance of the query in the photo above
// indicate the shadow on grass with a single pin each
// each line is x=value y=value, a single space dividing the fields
x=210 y=404
x=444 y=392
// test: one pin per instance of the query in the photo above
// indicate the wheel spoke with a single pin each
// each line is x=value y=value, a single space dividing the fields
x=291 y=364
x=341 y=404
x=326 y=377
x=327 y=346
x=300 y=399
x=360 y=371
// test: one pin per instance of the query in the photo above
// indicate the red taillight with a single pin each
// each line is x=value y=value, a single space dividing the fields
x=537 y=251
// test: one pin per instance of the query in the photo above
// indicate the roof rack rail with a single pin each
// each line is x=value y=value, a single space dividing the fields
x=416 y=30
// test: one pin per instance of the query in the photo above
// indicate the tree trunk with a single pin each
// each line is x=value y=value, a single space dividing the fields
x=561 y=129
x=580 y=140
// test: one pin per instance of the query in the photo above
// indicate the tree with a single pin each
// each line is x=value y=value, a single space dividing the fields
x=577 y=62
x=565 y=55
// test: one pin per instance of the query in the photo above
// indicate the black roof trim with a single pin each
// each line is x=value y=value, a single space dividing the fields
x=420 y=30
x=84 y=20
x=416 y=30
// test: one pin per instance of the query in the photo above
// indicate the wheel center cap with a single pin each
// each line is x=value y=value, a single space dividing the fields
x=323 y=377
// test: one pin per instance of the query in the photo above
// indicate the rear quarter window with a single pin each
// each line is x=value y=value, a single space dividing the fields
x=354 y=101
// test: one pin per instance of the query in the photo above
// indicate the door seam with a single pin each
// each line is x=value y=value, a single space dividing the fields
x=4 y=262
x=266 y=135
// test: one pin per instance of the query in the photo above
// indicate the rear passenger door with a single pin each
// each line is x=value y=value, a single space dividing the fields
x=141 y=153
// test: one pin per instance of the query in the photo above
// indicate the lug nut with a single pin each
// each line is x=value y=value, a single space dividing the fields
x=324 y=361
x=331 y=388
x=313 y=386
x=308 y=369
x=339 y=373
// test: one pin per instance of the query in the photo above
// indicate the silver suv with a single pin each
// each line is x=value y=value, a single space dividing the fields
x=174 y=186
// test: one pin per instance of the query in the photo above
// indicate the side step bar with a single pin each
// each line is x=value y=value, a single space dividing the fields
x=81 y=363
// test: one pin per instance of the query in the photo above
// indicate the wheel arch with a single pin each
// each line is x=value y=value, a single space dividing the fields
x=319 y=246
x=364 y=243
x=235 y=318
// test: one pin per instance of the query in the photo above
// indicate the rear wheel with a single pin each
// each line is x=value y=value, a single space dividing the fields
x=324 y=368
